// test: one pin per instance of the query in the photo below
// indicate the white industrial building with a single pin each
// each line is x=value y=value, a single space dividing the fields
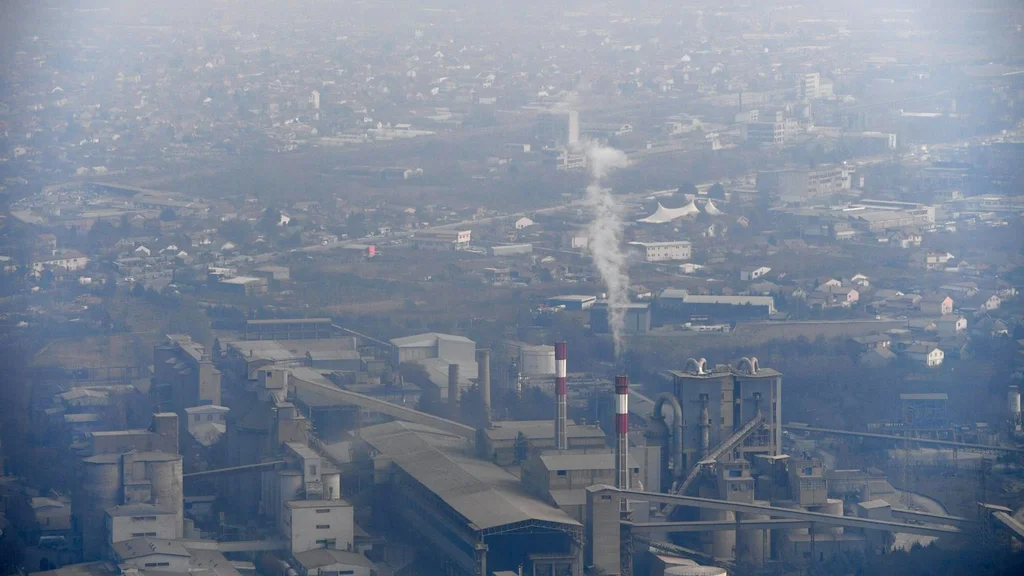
x=664 y=251
x=310 y=524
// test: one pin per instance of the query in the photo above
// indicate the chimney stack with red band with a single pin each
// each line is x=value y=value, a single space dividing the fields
x=561 y=392
x=621 y=432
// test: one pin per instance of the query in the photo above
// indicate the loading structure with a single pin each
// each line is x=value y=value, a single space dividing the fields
x=602 y=551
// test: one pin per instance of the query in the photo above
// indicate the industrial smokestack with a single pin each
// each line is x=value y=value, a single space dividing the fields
x=621 y=432
x=561 y=391
x=453 y=391
x=483 y=376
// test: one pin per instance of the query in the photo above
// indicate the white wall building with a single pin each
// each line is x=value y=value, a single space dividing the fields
x=310 y=524
x=140 y=521
x=69 y=260
x=664 y=251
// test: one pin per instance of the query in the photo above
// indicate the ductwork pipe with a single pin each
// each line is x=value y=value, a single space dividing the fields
x=677 y=430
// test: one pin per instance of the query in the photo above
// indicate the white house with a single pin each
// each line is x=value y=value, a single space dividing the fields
x=748 y=274
x=143 y=251
x=928 y=355
x=950 y=325
x=860 y=280
x=524 y=222
x=992 y=302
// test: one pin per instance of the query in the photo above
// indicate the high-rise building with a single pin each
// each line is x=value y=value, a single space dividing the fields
x=559 y=128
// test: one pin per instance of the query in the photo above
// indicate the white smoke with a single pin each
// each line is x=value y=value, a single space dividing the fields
x=605 y=237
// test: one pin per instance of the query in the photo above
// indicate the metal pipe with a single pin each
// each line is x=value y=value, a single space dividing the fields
x=677 y=430
x=705 y=427
x=453 y=391
x=483 y=376
x=561 y=391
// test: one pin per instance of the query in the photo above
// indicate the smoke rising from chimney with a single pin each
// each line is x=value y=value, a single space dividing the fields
x=605 y=237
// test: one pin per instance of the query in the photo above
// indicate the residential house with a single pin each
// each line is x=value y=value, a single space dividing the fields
x=950 y=325
x=930 y=260
x=964 y=289
x=877 y=357
x=936 y=305
x=844 y=295
x=871 y=342
x=925 y=354
x=992 y=302
x=750 y=273
x=524 y=222
x=904 y=240
x=860 y=280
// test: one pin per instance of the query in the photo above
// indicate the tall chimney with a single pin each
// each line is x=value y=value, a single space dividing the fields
x=561 y=391
x=483 y=376
x=453 y=391
x=621 y=433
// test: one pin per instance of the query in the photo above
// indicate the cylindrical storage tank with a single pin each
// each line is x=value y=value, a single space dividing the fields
x=164 y=473
x=98 y=490
x=332 y=486
x=290 y=484
x=753 y=546
x=723 y=542
x=833 y=507
x=537 y=360
x=696 y=571
x=793 y=506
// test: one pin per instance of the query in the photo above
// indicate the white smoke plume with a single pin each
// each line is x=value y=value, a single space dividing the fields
x=605 y=237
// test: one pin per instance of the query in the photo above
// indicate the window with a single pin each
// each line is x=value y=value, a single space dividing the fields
x=196 y=418
x=323 y=510
x=347 y=572
x=143 y=518
x=323 y=526
x=808 y=471
x=143 y=534
x=561 y=472
x=735 y=473
x=312 y=470
x=156 y=564
x=209 y=417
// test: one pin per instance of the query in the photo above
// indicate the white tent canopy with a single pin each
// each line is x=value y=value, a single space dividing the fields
x=665 y=215
x=712 y=209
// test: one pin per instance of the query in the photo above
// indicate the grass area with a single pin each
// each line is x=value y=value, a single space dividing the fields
x=114 y=350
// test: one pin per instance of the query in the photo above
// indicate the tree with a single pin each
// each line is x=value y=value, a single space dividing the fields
x=717 y=191
x=168 y=215
x=687 y=187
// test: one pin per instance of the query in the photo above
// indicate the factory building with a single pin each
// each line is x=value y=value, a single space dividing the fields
x=498 y=443
x=562 y=476
x=128 y=482
x=681 y=304
x=184 y=374
x=476 y=516
x=717 y=402
x=638 y=318
x=436 y=353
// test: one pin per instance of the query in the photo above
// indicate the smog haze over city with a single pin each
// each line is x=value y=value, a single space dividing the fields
x=525 y=288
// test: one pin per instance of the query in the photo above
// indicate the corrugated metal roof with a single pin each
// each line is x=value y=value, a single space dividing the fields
x=481 y=492
x=428 y=339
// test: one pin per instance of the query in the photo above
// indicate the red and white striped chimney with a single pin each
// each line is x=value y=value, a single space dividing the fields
x=621 y=432
x=561 y=392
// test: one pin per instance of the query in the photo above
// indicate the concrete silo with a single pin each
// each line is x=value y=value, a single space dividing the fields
x=164 y=470
x=98 y=489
